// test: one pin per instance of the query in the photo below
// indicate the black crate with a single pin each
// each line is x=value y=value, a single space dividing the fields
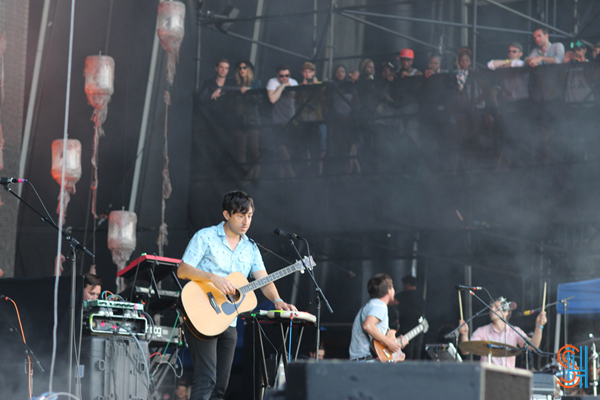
x=114 y=367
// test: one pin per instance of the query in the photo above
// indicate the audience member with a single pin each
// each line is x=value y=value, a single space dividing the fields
x=284 y=109
x=181 y=391
x=214 y=88
x=366 y=70
x=387 y=71
x=513 y=133
x=545 y=52
x=472 y=106
x=344 y=102
x=407 y=57
x=576 y=52
x=515 y=52
x=435 y=66
x=310 y=109
x=369 y=93
x=247 y=120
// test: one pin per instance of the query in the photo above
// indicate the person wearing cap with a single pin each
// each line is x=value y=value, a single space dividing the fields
x=407 y=57
x=310 y=107
x=498 y=331
x=576 y=52
x=545 y=52
x=515 y=52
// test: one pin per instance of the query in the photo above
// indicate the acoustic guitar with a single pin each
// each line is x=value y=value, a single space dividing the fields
x=385 y=355
x=207 y=312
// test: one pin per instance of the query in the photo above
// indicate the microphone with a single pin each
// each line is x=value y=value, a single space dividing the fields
x=281 y=232
x=530 y=312
x=4 y=181
x=463 y=287
x=5 y=298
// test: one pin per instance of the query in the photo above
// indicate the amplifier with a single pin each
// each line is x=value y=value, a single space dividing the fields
x=121 y=324
x=119 y=305
x=160 y=335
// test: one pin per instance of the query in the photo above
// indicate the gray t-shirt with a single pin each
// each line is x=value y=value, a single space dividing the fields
x=284 y=108
x=360 y=345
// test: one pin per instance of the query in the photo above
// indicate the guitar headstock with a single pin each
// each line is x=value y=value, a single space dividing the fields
x=425 y=324
x=306 y=262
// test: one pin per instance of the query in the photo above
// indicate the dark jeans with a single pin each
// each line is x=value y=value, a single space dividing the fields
x=212 y=361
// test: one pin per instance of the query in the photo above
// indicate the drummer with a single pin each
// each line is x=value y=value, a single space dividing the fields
x=498 y=331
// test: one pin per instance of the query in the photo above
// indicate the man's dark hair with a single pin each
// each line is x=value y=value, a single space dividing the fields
x=282 y=67
x=409 y=280
x=91 y=280
x=237 y=202
x=516 y=45
x=379 y=285
x=222 y=60
x=541 y=28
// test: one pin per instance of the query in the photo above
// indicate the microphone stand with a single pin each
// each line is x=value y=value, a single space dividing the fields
x=527 y=341
x=319 y=292
x=73 y=246
x=28 y=351
x=453 y=333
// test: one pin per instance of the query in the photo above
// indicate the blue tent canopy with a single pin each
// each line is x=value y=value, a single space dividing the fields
x=586 y=298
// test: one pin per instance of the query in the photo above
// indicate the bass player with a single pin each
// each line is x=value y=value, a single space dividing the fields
x=372 y=321
x=211 y=255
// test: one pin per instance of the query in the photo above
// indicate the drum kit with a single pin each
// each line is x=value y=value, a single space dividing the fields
x=489 y=349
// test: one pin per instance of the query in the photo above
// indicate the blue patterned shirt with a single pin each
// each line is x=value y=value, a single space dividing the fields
x=209 y=251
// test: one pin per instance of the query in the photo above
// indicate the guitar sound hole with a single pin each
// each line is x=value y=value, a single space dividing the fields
x=233 y=298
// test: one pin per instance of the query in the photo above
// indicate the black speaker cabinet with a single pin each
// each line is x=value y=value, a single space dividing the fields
x=348 y=380
x=114 y=367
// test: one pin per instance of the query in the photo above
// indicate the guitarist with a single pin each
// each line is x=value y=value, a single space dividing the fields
x=372 y=320
x=211 y=255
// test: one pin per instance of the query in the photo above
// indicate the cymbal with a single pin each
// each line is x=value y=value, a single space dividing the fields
x=484 y=347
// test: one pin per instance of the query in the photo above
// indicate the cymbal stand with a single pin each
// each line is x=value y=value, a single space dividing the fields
x=594 y=367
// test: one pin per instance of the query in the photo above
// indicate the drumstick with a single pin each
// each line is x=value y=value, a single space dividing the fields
x=544 y=298
x=460 y=305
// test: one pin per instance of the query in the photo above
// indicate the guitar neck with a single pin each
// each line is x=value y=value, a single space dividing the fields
x=297 y=266
x=413 y=332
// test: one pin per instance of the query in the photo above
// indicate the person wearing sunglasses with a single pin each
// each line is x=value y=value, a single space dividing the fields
x=515 y=52
x=284 y=108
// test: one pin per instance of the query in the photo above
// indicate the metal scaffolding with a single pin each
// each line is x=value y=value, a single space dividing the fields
x=361 y=13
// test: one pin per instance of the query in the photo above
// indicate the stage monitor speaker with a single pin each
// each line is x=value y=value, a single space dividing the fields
x=337 y=380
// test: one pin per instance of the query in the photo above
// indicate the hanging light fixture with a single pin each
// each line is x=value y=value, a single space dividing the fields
x=99 y=79
x=72 y=162
x=121 y=236
x=171 y=17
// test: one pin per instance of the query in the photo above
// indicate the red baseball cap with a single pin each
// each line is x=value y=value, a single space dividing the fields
x=407 y=53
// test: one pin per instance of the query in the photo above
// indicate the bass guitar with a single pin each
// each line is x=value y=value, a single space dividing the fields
x=385 y=355
x=208 y=312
